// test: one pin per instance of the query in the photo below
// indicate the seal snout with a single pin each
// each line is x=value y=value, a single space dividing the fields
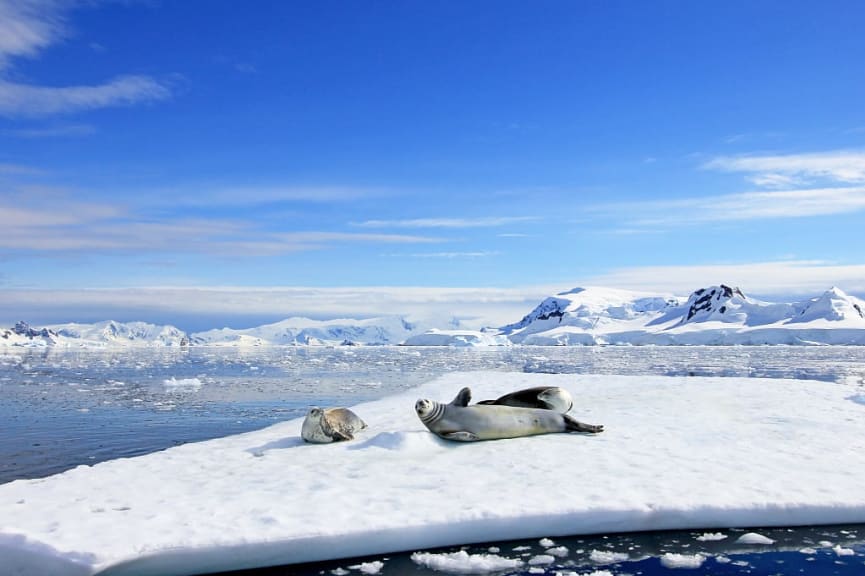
x=422 y=406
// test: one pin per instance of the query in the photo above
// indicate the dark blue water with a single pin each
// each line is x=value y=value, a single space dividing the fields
x=60 y=409
x=823 y=551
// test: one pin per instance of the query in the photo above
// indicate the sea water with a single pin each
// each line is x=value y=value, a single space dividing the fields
x=63 y=408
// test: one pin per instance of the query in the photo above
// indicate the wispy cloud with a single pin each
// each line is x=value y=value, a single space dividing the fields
x=22 y=100
x=842 y=167
x=636 y=216
x=29 y=26
x=247 y=306
x=791 y=186
x=323 y=237
x=65 y=225
x=455 y=255
x=205 y=194
x=787 y=277
x=244 y=306
x=18 y=170
x=58 y=131
x=482 y=222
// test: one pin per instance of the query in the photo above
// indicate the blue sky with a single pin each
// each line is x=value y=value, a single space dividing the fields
x=502 y=149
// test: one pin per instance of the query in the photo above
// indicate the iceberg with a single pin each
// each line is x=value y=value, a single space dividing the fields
x=676 y=453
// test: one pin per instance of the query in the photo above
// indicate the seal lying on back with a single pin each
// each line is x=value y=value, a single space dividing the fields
x=464 y=423
x=547 y=397
x=330 y=425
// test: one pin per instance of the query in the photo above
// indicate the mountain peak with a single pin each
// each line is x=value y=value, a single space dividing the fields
x=713 y=303
x=834 y=305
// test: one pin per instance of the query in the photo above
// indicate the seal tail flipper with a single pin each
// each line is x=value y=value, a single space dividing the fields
x=487 y=402
x=573 y=425
x=463 y=398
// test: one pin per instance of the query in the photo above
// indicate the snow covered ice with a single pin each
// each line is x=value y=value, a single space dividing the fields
x=677 y=452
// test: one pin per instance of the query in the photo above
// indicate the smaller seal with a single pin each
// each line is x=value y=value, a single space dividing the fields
x=324 y=425
x=547 y=397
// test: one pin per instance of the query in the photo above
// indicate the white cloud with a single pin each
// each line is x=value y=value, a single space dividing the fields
x=60 y=224
x=28 y=26
x=62 y=130
x=18 y=170
x=482 y=222
x=792 y=186
x=204 y=194
x=841 y=166
x=789 y=277
x=321 y=237
x=455 y=255
x=478 y=307
x=22 y=100
x=635 y=217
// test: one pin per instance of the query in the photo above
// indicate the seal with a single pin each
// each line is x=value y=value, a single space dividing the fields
x=463 y=423
x=324 y=425
x=547 y=397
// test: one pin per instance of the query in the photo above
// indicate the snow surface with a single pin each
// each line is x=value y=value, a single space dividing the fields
x=676 y=453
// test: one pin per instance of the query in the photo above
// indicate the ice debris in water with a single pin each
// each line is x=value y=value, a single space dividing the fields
x=711 y=537
x=605 y=557
x=754 y=538
x=369 y=567
x=671 y=560
x=464 y=563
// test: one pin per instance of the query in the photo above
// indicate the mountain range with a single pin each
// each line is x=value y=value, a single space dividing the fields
x=717 y=315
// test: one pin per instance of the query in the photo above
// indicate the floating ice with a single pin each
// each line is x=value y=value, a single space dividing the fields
x=182 y=383
x=841 y=551
x=711 y=537
x=541 y=560
x=671 y=560
x=464 y=563
x=607 y=557
x=754 y=538
x=662 y=462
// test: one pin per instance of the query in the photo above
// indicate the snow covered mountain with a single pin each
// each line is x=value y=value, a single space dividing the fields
x=717 y=315
x=720 y=315
x=98 y=335
x=303 y=331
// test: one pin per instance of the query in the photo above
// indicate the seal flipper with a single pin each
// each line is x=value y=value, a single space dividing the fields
x=461 y=436
x=573 y=425
x=463 y=397
x=548 y=396
x=339 y=434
